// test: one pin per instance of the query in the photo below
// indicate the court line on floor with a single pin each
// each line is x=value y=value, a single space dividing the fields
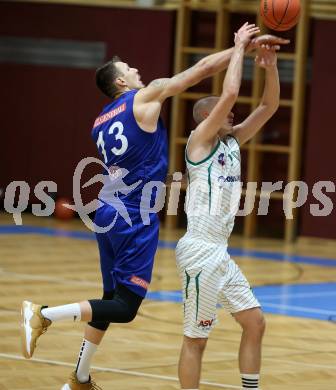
x=298 y=308
x=177 y=294
x=45 y=278
x=297 y=295
x=115 y=371
x=166 y=294
x=257 y=254
x=160 y=297
x=172 y=294
x=157 y=376
x=49 y=231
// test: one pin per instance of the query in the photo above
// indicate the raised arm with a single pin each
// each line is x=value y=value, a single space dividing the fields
x=148 y=101
x=269 y=104
x=208 y=129
x=161 y=89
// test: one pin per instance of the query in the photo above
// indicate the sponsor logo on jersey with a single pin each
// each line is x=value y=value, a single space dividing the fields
x=109 y=115
x=139 y=282
x=229 y=179
x=205 y=323
x=221 y=160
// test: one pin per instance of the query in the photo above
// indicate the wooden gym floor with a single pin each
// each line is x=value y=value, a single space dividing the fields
x=51 y=263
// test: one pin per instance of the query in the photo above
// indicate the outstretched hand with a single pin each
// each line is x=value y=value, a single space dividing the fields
x=267 y=39
x=245 y=34
x=266 y=57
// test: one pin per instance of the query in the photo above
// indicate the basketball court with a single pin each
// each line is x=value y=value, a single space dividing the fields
x=58 y=262
x=47 y=59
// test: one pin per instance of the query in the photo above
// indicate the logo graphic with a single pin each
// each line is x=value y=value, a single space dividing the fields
x=109 y=115
x=205 y=323
x=113 y=184
x=222 y=180
x=232 y=179
x=139 y=282
x=221 y=160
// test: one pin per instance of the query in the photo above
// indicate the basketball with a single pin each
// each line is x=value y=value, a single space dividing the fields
x=62 y=212
x=280 y=15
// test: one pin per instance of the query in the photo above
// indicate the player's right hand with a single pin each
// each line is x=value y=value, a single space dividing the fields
x=267 y=39
x=244 y=35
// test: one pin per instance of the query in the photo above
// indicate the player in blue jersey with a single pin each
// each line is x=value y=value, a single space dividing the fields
x=131 y=138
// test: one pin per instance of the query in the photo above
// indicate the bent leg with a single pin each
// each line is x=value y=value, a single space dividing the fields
x=121 y=309
x=119 y=306
x=93 y=335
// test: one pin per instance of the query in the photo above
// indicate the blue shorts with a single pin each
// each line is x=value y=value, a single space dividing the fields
x=127 y=252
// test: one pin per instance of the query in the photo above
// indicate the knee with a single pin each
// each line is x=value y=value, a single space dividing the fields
x=129 y=314
x=103 y=326
x=129 y=307
x=196 y=345
x=253 y=323
x=128 y=311
x=260 y=325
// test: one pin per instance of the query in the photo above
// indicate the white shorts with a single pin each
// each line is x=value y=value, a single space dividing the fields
x=209 y=278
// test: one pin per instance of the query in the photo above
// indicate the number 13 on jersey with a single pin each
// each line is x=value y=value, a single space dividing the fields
x=117 y=130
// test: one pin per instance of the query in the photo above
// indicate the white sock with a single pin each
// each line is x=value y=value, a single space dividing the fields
x=250 y=381
x=65 y=312
x=84 y=361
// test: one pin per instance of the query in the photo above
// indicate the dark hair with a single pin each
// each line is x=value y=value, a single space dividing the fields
x=106 y=76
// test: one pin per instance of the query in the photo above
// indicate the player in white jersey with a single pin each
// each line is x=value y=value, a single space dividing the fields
x=209 y=276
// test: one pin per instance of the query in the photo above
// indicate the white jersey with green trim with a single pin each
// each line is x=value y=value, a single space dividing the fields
x=214 y=191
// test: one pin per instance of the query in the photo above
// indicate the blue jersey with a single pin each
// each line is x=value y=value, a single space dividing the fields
x=127 y=251
x=123 y=144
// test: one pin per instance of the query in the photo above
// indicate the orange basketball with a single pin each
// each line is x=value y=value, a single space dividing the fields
x=62 y=212
x=280 y=15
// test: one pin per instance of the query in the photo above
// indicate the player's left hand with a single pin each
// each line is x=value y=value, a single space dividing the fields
x=266 y=57
x=267 y=39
